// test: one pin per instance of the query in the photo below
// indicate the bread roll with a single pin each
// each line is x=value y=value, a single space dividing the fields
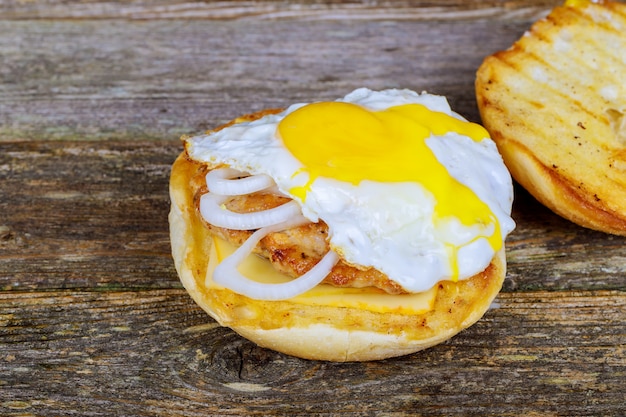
x=316 y=331
x=554 y=103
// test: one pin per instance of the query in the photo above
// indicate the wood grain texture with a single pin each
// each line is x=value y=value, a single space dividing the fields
x=93 y=320
x=71 y=205
x=92 y=306
x=94 y=80
x=154 y=353
x=274 y=9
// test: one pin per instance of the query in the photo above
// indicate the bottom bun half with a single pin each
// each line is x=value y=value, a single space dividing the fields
x=313 y=331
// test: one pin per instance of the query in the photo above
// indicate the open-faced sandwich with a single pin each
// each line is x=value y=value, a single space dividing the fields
x=358 y=229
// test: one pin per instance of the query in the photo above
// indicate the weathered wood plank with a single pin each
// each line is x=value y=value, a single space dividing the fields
x=155 y=353
x=268 y=9
x=546 y=251
x=93 y=321
x=85 y=215
x=115 y=79
x=94 y=214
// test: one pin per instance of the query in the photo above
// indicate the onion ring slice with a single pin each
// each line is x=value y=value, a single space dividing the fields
x=227 y=275
x=213 y=212
x=222 y=181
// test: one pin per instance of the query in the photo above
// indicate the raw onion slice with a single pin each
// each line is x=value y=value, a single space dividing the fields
x=227 y=275
x=225 y=181
x=214 y=213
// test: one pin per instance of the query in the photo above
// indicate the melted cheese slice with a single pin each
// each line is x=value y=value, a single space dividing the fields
x=261 y=270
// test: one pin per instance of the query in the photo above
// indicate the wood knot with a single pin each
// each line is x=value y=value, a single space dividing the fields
x=10 y=239
x=221 y=360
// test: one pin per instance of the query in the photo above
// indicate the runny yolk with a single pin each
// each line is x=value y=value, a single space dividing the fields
x=350 y=143
x=576 y=3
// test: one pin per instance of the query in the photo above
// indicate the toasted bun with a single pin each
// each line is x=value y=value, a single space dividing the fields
x=318 y=332
x=555 y=105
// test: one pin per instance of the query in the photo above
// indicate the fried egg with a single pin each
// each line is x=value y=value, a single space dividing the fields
x=405 y=185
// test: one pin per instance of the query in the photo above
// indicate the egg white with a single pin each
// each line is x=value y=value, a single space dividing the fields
x=388 y=226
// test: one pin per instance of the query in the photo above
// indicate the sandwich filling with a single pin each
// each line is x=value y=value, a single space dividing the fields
x=391 y=185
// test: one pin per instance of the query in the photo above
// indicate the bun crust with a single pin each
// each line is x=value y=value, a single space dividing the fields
x=318 y=332
x=555 y=104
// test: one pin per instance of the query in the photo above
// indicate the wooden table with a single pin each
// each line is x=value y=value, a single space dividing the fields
x=93 y=320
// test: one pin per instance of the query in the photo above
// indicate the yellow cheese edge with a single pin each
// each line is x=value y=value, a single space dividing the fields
x=372 y=299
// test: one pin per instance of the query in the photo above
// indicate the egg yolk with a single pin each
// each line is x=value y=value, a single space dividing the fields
x=577 y=3
x=350 y=143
